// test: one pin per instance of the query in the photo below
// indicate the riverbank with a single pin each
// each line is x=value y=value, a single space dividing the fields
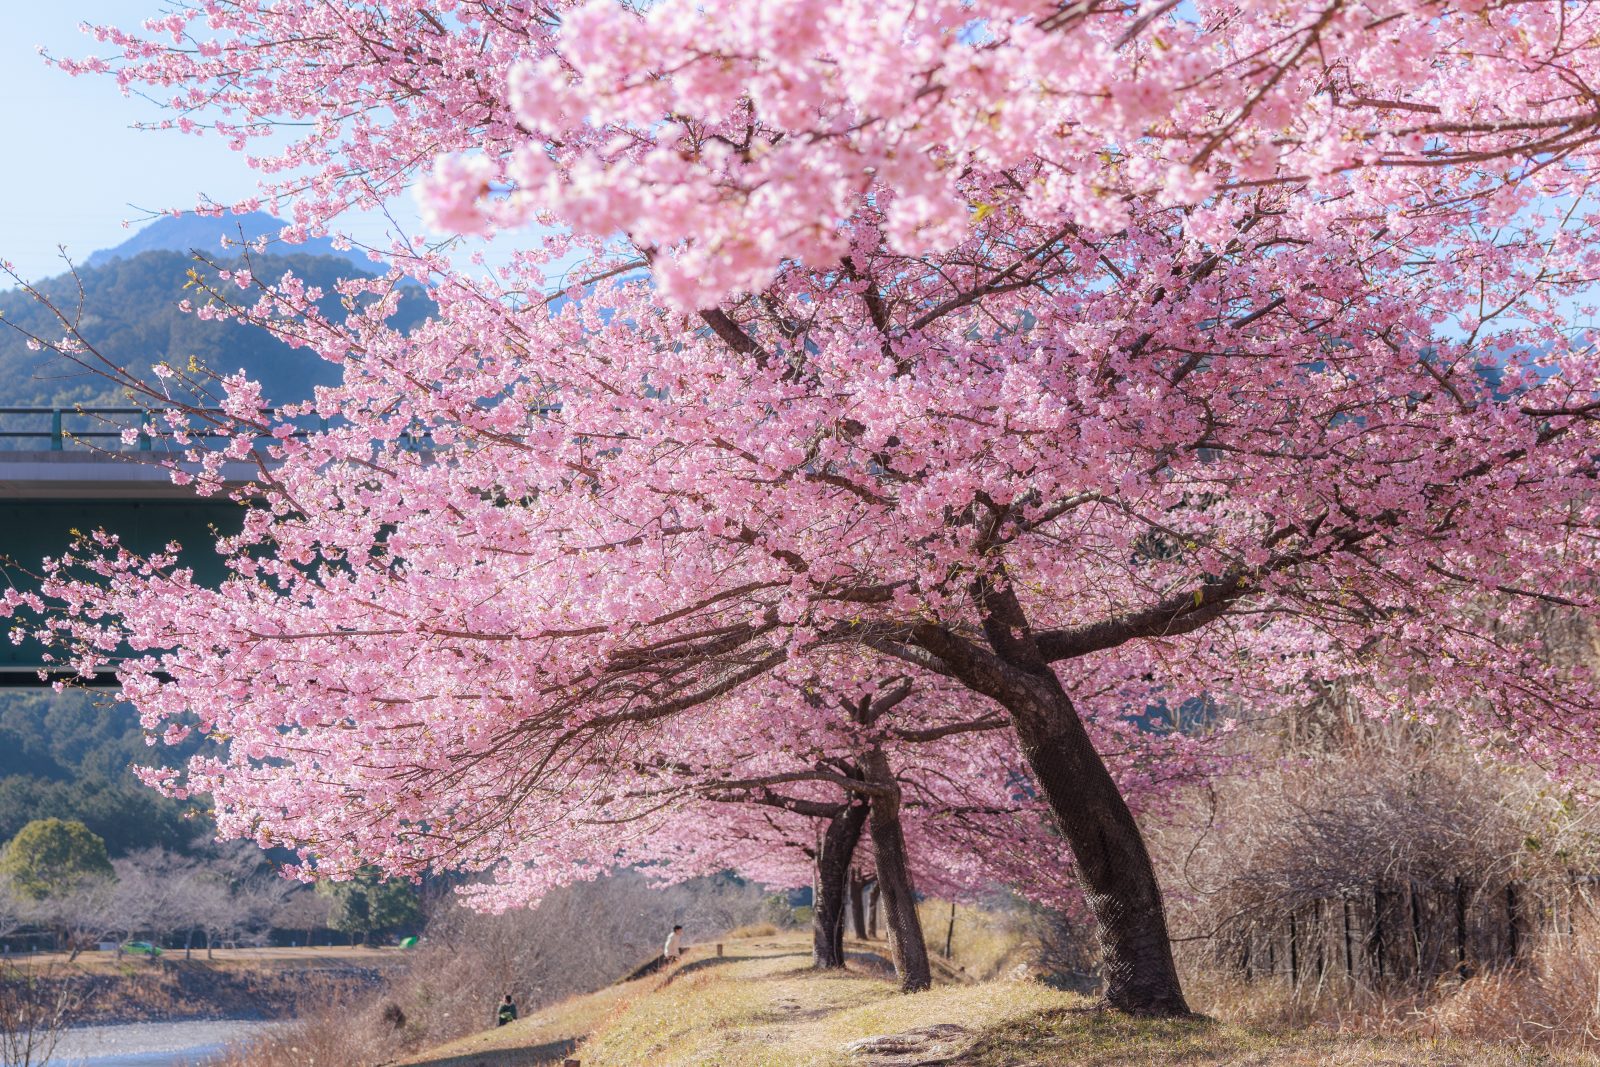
x=760 y=1005
x=107 y=990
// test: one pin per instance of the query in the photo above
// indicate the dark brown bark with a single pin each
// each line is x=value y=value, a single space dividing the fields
x=906 y=945
x=858 y=908
x=1114 y=866
x=833 y=885
x=873 y=899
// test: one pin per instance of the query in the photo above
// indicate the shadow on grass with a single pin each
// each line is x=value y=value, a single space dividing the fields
x=1095 y=1036
x=551 y=1052
x=717 y=961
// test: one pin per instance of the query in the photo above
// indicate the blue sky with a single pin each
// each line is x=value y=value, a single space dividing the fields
x=75 y=169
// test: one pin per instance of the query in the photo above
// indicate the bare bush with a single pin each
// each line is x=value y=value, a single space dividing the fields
x=34 y=1011
x=1338 y=804
x=1385 y=876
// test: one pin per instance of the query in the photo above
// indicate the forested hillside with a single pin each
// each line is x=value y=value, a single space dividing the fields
x=131 y=314
x=68 y=756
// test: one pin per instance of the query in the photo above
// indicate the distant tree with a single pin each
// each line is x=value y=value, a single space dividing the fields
x=54 y=858
x=10 y=910
x=301 y=910
x=83 y=914
x=152 y=893
x=137 y=315
x=367 y=904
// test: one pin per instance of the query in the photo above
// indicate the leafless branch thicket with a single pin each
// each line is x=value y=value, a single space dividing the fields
x=1364 y=872
x=34 y=1011
x=579 y=939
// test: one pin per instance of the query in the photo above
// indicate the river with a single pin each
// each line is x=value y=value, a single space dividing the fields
x=151 y=1044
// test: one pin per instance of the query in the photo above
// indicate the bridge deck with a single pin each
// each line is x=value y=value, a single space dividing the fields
x=48 y=494
x=60 y=475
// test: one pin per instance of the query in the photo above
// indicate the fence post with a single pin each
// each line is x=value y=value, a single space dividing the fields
x=55 y=430
x=719 y=949
x=1416 y=927
x=1294 y=951
x=1377 y=927
x=1349 y=952
x=1512 y=939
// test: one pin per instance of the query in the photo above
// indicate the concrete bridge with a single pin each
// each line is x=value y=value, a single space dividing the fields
x=67 y=469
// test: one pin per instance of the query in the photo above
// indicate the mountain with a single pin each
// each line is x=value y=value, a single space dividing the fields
x=131 y=316
x=206 y=234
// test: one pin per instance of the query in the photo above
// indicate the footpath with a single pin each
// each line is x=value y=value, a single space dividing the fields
x=760 y=1005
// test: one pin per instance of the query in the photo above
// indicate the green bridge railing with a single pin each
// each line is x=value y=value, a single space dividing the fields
x=102 y=428
x=54 y=431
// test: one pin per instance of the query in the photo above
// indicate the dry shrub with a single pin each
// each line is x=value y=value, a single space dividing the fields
x=1551 y=999
x=988 y=939
x=576 y=940
x=750 y=930
x=34 y=1012
x=1335 y=805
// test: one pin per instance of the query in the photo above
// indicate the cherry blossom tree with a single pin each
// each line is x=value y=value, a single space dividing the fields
x=944 y=794
x=1072 y=355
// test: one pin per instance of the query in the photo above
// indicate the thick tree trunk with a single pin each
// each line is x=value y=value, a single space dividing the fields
x=906 y=944
x=858 y=910
x=1113 y=864
x=833 y=886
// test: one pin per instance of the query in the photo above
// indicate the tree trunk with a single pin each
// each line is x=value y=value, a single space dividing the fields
x=858 y=911
x=833 y=886
x=906 y=944
x=1113 y=864
x=872 y=911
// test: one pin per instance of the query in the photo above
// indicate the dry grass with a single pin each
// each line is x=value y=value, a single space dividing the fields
x=752 y=930
x=986 y=943
x=1550 y=1000
x=761 y=1006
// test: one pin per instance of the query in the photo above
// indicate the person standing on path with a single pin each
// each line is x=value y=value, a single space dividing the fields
x=507 y=1011
x=674 y=946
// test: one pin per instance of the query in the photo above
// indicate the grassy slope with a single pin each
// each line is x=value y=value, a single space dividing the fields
x=760 y=1006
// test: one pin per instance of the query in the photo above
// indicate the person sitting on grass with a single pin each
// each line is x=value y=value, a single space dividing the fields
x=674 y=948
x=507 y=1012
